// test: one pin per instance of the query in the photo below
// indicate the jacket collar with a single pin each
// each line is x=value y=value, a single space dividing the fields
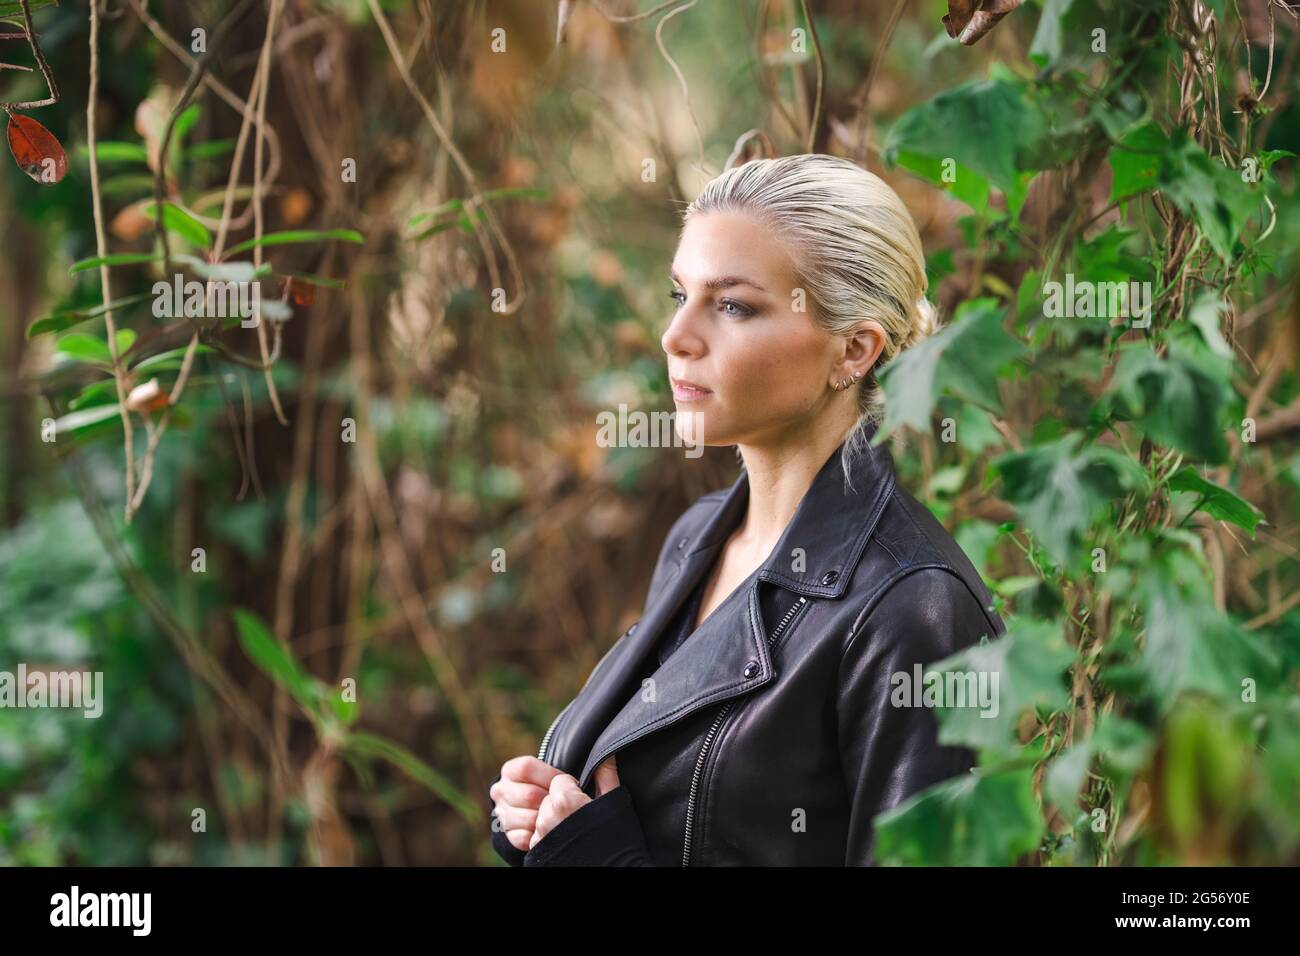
x=820 y=548
x=728 y=655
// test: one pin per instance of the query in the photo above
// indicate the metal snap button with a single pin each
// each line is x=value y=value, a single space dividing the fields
x=829 y=577
x=751 y=669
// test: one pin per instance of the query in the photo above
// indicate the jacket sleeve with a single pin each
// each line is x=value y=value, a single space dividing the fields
x=603 y=832
x=889 y=753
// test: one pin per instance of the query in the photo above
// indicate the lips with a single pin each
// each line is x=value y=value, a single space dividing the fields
x=685 y=390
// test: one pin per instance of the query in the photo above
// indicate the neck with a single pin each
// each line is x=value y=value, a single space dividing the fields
x=781 y=470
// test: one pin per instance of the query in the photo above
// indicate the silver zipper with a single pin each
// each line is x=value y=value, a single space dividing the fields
x=713 y=730
x=541 y=751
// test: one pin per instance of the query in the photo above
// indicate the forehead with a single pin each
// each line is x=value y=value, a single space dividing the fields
x=733 y=244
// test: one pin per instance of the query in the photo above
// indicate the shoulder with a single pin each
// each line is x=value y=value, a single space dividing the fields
x=922 y=613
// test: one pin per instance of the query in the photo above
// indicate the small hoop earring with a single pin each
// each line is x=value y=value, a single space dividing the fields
x=846 y=382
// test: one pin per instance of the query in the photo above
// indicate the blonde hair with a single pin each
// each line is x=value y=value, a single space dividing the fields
x=855 y=249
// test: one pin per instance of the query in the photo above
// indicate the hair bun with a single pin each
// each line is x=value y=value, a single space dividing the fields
x=925 y=322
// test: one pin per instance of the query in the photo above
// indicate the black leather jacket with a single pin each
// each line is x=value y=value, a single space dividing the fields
x=770 y=738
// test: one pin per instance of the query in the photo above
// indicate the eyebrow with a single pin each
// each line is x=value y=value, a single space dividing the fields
x=721 y=282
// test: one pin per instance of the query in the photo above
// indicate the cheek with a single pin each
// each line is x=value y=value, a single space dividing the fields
x=777 y=368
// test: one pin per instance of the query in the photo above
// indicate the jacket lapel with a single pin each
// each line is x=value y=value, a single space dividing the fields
x=815 y=556
x=610 y=688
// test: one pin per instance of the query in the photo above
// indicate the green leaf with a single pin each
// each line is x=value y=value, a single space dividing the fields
x=277 y=661
x=116 y=259
x=1199 y=185
x=1136 y=161
x=84 y=418
x=1177 y=400
x=297 y=235
x=85 y=348
x=62 y=320
x=125 y=338
x=177 y=220
x=370 y=745
x=981 y=819
x=1218 y=502
x=168 y=359
x=189 y=116
x=987 y=127
x=1059 y=489
x=114 y=152
x=11 y=11
x=962 y=358
x=209 y=150
x=1022 y=668
x=1190 y=644
x=1204 y=314
x=1048 y=43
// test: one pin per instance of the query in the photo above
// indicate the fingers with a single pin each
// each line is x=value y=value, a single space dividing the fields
x=517 y=794
x=606 y=776
x=521 y=840
x=565 y=796
x=526 y=784
x=527 y=769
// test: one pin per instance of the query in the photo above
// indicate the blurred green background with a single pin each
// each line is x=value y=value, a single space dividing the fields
x=485 y=223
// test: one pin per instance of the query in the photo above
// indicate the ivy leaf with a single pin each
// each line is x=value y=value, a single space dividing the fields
x=1190 y=644
x=988 y=819
x=1216 y=501
x=1177 y=400
x=1022 y=668
x=1199 y=185
x=987 y=128
x=1136 y=161
x=1059 y=488
x=36 y=150
x=963 y=358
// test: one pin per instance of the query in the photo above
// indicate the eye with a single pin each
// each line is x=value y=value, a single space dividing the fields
x=673 y=294
x=743 y=310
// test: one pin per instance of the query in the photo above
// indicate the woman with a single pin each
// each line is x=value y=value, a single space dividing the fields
x=751 y=715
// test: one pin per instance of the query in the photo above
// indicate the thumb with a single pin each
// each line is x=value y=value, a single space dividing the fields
x=606 y=776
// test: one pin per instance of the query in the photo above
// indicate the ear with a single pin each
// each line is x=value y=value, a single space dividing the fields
x=860 y=350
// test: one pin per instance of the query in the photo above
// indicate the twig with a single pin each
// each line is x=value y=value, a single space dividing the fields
x=821 y=79
x=101 y=249
x=877 y=57
x=30 y=33
x=476 y=193
x=277 y=7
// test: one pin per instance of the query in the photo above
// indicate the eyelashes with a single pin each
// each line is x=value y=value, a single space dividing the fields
x=743 y=311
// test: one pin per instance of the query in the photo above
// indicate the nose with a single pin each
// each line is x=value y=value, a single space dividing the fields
x=682 y=337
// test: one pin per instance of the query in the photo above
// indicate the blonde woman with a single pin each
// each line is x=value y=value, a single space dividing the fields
x=753 y=715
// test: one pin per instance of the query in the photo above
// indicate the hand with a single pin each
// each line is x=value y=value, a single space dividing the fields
x=566 y=796
x=518 y=795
